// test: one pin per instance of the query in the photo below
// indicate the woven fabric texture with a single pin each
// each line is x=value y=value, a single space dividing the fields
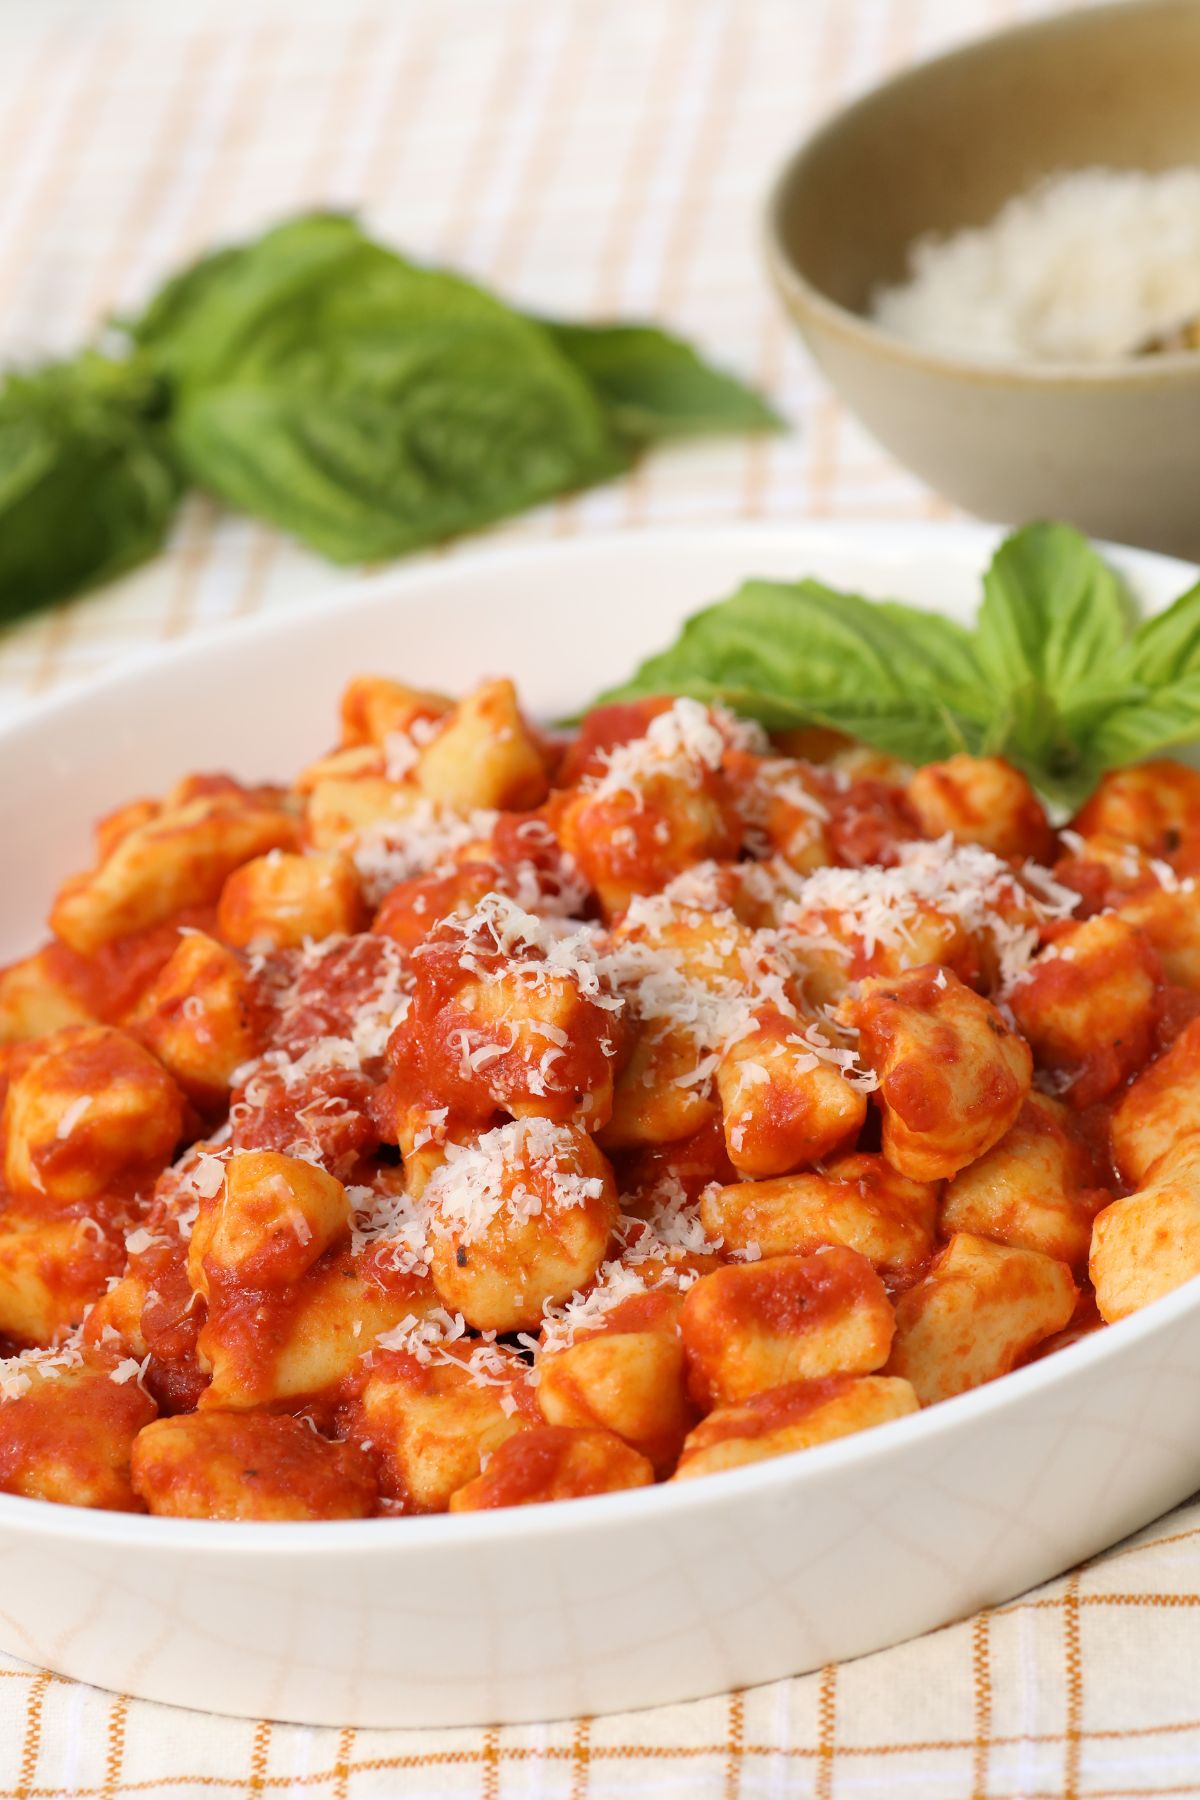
x=587 y=157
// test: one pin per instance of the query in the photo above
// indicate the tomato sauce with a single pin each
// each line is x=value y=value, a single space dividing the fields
x=867 y=822
x=778 y=1408
x=69 y=1439
x=600 y=733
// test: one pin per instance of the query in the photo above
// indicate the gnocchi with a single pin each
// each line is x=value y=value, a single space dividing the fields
x=487 y=1119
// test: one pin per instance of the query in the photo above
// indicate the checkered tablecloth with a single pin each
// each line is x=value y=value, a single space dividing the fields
x=587 y=157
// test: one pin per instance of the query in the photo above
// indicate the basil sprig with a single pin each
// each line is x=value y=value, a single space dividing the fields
x=316 y=379
x=1057 y=674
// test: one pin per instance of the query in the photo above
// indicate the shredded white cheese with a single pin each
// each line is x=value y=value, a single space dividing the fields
x=879 y=907
x=1088 y=266
x=512 y=1171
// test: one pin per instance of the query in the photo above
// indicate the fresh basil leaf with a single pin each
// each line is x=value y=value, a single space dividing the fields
x=1162 y=719
x=1159 y=707
x=366 y=404
x=288 y=354
x=791 y=654
x=947 y=655
x=87 y=488
x=1166 y=648
x=372 y=448
x=656 y=387
x=206 y=320
x=167 y=316
x=1053 y=614
x=1051 y=638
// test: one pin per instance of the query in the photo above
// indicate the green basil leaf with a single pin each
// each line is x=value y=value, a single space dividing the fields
x=1162 y=719
x=1052 y=639
x=946 y=653
x=1166 y=648
x=1053 y=613
x=367 y=405
x=799 y=653
x=87 y=487
x=1159 y=706
x=477 y=428
x=169 y=313
x=656 y=387
x=207 y=319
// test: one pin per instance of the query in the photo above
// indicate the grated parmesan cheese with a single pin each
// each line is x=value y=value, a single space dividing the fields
x=393 y=1226
x=681 y=743
x=480 y=1182
x=72 y=1116
x=616 y=1282
x=962 y=881
x=441 y=1338
x=17 y=1373
x=402 y=749
x=1091 y=265
x=423 y=842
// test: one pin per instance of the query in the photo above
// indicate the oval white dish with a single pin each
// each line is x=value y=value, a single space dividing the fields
x=627 y=1600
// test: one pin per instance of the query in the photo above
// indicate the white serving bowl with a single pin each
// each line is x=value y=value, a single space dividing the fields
x=626 y=1600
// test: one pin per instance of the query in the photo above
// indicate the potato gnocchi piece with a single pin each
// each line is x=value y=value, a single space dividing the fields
x=837 y=956
x=114 y=1322
x=981 y=800
x=483 y=755
x=1031 y=1190
x=631 y=1383
x=1154 y=806
x=340 y=809
x=637 y=829
x=793 y=1417
x=520 y=1220
x=1087 y=1005
x=532 y=1051
x=272 y=1219
x=759 y=1325
x=1169 y=920
x=981 y=1308
x=109 y=830
x=783 y=802
x=784 y=1105
x=952 y=1073
x=1148 y=1244
x=276 y=1349
x=655 y=1101
x=91 y=1117
x=1158 y=1109
x=179 y=858
x=277 y=901
x=68 y=1437
x=373 y=707
x=216 y=1465
x=553 y=1462
x=358 y=762
x=409 y=911
x=857 y=1201
x=51 y=1270
x=432 y=1427
x=37 y=997
x=198 y=1017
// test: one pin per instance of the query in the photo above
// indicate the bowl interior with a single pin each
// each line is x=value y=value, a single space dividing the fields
x=944 y=145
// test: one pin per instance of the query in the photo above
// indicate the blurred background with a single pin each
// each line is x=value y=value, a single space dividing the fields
x=585 y=157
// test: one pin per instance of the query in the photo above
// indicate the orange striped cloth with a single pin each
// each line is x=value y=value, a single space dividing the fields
x=586 y=157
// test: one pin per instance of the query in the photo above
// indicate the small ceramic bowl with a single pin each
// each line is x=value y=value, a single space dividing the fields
x=1113 y=448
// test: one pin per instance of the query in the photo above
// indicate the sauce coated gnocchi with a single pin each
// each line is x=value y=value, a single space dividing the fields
x=485 y=1119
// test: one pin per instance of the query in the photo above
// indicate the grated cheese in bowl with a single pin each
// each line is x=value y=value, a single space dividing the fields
x=1092 y=265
